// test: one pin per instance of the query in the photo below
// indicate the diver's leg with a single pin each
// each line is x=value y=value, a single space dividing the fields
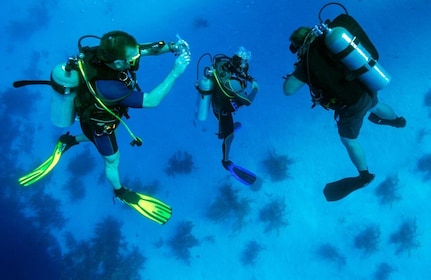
x=112 y=173
x=384 y=111
x=384 y=114
x=227 y=142
x=356 y=153
x=81 y=138
x=226 y=132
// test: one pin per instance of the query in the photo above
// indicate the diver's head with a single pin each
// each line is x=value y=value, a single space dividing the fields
x=240 y=61
x=119 y=50
x=298 y=37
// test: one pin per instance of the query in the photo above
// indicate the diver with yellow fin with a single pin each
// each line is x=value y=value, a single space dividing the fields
x=339 y=63
x=99 y=85
x=227 y=86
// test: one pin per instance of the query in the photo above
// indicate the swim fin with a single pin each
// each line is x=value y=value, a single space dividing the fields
x=240 y=173
x=64 y=143
x=148 y=206
x=339 y=189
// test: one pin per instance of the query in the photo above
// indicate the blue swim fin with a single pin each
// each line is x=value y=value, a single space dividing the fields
x=240 y=173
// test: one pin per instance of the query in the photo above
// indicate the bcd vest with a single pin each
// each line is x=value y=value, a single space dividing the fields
x=330 y=81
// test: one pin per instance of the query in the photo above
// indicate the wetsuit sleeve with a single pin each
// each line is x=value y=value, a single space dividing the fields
x=156 y=48
x=116 y=90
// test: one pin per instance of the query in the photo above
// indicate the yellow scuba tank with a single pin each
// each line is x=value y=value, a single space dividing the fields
x=356 y=58
x=204 y=86
x=65 y=82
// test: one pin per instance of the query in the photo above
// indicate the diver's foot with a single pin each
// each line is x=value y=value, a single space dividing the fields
x=227 y=164
x=68 y=140
x=125 y=194
x=366 y=177
x=397 y=122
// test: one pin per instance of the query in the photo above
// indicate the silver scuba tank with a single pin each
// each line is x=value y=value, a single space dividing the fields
x=65 y=83
x=204 y=86
x=356 y=58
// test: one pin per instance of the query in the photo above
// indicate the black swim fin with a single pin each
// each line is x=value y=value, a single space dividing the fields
x=339 y=189
x=240 y=173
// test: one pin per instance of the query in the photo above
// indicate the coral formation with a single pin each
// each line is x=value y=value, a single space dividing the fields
x=331 y=253
x=81 y=164
x=383 y=271
x=250 y=253
x=277 y=166
x=46 y=211
x=200 y=22
x=228 y=205
x=76 y=188
x=387 y=191
x=183 y=241
x=368 y=239
x=405 y=238
x=273 y=214
x=180 y=163
x=105 y=256
x=424 y=166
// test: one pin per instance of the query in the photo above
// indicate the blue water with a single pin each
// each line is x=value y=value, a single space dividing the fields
x=67 y=226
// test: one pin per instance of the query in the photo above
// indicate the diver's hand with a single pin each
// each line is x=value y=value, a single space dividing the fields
x=254 y=86
x=181 y=47
x=181 y=64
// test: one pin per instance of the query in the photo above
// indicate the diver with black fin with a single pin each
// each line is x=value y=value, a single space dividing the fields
x=99 y=86
x=227 y=86
x=339 y=63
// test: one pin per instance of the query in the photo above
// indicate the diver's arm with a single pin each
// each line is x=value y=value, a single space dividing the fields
x=247 y=99
x=161 y=47
x=254 y=90
x=154 y=97
x=291 y=85
x=156 y=48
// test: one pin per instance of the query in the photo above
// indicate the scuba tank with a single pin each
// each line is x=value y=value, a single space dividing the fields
x=356 y=58
x=356 y=52
x=204 y=86
x=65 y=83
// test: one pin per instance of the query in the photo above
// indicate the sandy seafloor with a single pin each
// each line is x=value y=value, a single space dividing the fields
x=38 y=35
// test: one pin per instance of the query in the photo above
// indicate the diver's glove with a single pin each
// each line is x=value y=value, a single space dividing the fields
x=254 y=85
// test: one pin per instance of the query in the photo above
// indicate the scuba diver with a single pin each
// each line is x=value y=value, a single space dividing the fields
x=100 y=85
x=227 y=86
x=338 y=62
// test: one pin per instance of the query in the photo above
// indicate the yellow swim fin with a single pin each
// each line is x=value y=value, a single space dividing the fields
x=43 y=169
x=64 y=143
x=148 y=206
